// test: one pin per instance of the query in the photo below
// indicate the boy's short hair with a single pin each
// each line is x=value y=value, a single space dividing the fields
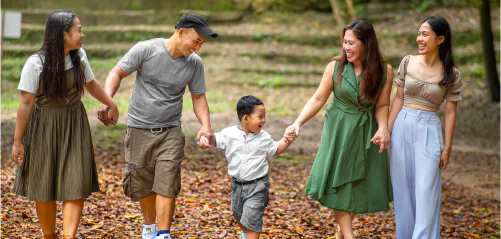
x=246 y=105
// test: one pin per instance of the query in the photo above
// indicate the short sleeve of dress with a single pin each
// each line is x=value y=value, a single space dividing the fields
x=453 y=92
x=400 y=80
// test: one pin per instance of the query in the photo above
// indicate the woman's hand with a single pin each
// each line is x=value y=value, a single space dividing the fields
x=296 y=127
x=102 y=114
x=381 y=138
x=444 y=159
x=18 y=153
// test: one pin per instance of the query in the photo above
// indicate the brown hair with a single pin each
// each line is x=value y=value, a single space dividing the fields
x=374 y=65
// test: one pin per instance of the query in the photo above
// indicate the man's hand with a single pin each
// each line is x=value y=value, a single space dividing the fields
x=207 y=132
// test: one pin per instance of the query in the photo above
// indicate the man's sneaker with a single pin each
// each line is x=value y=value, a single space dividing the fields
x=164 y=236
x=243 y=234
x=149 y=233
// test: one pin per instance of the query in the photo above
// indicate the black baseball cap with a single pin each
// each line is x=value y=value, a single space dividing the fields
x=196 y=22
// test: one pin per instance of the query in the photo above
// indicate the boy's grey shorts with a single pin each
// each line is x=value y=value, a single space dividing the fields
x=248 y=202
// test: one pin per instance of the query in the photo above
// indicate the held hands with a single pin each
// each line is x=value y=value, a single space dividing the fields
x=203 y=142
x=381 y=138
x=206 y=138
x=108 y=115
x=292 y=130
x=289 y=135
x=18 y=153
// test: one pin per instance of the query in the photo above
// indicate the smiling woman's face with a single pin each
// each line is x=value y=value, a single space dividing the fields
x=427 y=39
x=73 y=38
x=352 y=46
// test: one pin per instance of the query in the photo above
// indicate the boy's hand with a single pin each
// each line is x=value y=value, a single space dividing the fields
x=289 y=135
x=203 y=142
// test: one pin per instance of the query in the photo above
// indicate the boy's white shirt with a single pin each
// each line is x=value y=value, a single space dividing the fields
x=246 y=155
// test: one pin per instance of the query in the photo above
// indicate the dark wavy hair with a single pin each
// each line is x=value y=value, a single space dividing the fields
x=441 y=27
x=53 y=77
x=246 y=105
x=374 y=65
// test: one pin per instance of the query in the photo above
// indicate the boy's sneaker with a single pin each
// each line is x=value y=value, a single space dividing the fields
x=149 y=232
x=164 y=236
x=243 y=234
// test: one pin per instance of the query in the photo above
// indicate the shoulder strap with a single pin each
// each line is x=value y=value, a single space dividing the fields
x=41 y=59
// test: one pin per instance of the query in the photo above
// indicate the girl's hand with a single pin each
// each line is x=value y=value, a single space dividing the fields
x=444 y=160
x=18 y=153
x=381 y=138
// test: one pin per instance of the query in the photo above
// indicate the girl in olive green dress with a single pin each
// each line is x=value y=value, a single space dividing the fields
x=52 y=140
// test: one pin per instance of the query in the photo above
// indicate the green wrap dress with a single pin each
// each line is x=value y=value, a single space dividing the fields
x=349 y=174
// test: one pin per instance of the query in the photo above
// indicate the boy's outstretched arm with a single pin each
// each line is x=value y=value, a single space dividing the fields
x=287 y=139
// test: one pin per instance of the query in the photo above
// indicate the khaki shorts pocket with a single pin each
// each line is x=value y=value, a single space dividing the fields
x=127 y=181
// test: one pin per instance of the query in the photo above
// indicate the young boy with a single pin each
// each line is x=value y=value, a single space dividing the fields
x=246 y=147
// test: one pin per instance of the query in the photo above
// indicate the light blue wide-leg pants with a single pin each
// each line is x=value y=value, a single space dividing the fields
x=415 y=149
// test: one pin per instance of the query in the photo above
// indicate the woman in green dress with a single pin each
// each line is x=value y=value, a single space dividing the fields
x=350 y=173
x=52 y=142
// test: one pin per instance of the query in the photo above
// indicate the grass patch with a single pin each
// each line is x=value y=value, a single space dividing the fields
x=111 y=133
x=294 y=159
x=274 y=72
x=216 y=100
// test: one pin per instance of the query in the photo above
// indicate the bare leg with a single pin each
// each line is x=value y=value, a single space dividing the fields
x=72 y=213
x=344 y=220
x=165 y=209
x=148 y=209
x=339 y=232
x=46 y=212
x=252 y=235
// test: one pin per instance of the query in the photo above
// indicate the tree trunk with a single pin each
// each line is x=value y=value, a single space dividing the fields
x=489 y=53
x=335 y=10
x=349 y=5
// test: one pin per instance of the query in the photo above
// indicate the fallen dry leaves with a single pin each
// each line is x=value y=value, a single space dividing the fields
x=203 y=208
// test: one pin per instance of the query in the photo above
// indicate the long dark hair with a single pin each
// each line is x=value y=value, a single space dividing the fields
x=53 y=77
x=374 y=65
x=441 y=27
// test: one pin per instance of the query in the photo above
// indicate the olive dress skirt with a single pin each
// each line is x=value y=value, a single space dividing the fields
x=59 y=156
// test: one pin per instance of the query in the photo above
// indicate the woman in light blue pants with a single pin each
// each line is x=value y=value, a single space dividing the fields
x=417 y=150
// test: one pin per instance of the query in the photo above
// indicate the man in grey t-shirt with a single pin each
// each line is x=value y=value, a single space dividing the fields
x=154 y=142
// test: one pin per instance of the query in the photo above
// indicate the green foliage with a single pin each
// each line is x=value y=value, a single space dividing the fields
x=420 y=6
x=361 y=13
x=281 y=110
x=477 y=70
x=272 y=82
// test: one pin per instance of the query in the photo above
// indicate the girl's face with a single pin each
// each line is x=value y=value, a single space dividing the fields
x=353 y=47
x=73 y=37
x=427 y=40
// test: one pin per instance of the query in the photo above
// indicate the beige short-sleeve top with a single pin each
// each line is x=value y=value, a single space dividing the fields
x=427 y=94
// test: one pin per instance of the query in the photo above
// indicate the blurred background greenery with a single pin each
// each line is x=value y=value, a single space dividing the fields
x=262 y=43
